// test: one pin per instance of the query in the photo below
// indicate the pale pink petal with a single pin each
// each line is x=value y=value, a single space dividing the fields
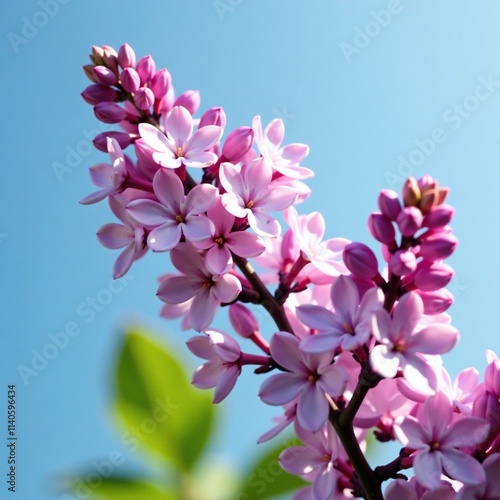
x=203 y=310
x=411 y=434
x=316 y=317
x=148 y=213
x=201 y=198
x=154 y=138
x=208 y=374
x=257 y=128
x=345 y=298
x=244 y=244
x=204 y=138
x=179 y=125
x=293 y=171
x=399 y=490
x=124 y=261
x=285 y=350
x=275 y=132
x=295 y=153
x=281 y=388
x=114 y=236
x=226 y=383
x=277 y=198
x=234 y=205
x=463 y=467
x=263 y=224
x=232 y=180
x=434 y=339
x=222 y=219
x=297 y=460
x=169 y=190
x=226 y=287
x=165 y=237
x=384 y=361
x=97 y=196
x=167 y=160
x=465 y=432
x=320 y=343
x=312 y=407
x=199 y=159
x=419 y=375
x=102 y=175
x=178 y=289
x=408 y=313
x=325 y=482
x=257 y=175
x=428 y=468
x=218 y=259
x=225 y=346
x=200 y=346
x=188 y=261
x=197 y=227
x=333 y=380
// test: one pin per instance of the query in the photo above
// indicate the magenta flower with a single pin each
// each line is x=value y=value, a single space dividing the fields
x=179 y=145
x=208 y=290
x=284 y=159
x=249 y=193
x=310 y=377
x=128 y=236
x=218 y=258
x=437 y=439
x=315 y=461
x=222 y=368
x=349 y=326
x=175 y=214
x=402 y=348
x=109 y=178
x=309 y=231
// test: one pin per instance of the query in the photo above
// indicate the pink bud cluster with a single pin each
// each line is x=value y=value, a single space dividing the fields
x=356 y=347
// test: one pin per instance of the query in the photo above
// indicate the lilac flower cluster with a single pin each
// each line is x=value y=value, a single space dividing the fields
x=357 y=345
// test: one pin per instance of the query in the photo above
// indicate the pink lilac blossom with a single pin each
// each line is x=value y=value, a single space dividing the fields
x=309 y=376
x=179 y=146
x=175 y=214
x=207 y=290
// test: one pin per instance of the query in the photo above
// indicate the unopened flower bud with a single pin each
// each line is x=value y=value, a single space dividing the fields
x=190 y=99
x=110 y=57
x=126 y=56
x=437 y=301
x=237 y=144
x=409 y=221
x=146 y=68
x=411 y=193
x=130 y=80
x=243 y=320
x=213 y=116
x=389 y=205
x=109 y=112
x=432 y=276
x=360 y=260
x=381 y=228
x=104 y=75
x=402 y=262
x=88 y=69
x=439 y=216
x=97 y=93
x=160 y=83
x=437 y=246
x=101 y=140
x=97 y=55
x=144 y=98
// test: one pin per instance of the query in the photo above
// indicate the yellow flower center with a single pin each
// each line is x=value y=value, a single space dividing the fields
x=179 y=152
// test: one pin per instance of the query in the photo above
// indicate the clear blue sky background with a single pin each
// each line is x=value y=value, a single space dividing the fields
x=362 y=103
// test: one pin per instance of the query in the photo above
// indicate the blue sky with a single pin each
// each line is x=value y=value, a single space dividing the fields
x=379 y=90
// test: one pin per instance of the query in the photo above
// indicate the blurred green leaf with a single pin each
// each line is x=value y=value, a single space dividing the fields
x=156 y=403
x=266 y=478
x=117 y=488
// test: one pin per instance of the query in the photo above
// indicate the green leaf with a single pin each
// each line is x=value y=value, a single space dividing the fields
x=116 y=488
x=266 y=478
x=157 y=405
